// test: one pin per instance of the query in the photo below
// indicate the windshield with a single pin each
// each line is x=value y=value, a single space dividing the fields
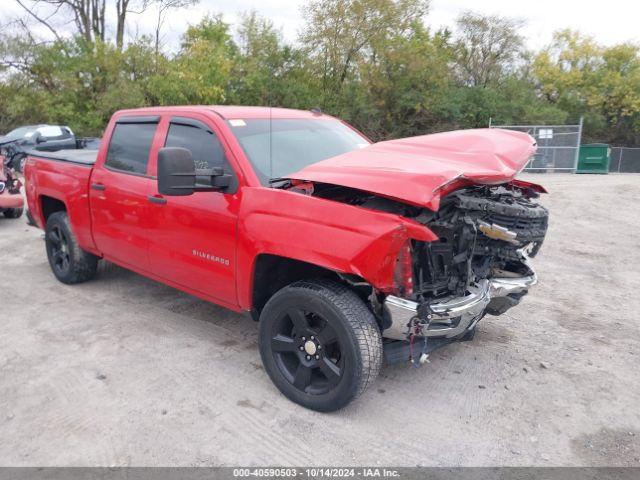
x=19 y=133
x=288 y=145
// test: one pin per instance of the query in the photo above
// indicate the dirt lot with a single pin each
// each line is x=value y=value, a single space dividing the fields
x=126 y=371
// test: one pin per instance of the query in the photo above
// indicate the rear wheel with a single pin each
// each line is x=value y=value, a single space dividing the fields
x=69 y=263
x=13 y=212
x=320 y=344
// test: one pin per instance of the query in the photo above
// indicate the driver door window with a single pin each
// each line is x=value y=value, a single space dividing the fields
x=205 y=147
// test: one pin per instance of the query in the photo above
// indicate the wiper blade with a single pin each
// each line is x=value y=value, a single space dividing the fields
x=284 y=181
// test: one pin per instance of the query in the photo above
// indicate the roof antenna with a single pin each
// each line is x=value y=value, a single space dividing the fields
x=270 y=140
x=316 y=111
x=270 y=126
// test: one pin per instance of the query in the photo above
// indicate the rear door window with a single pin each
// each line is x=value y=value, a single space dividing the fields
x=129 y=147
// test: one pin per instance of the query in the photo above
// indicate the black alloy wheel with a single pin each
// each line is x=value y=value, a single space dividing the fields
x=307 y=351
x=70 y=263
x=320 y=343
x=59 y=248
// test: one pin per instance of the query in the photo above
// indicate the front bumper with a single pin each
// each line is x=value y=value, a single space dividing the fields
x=453 y=317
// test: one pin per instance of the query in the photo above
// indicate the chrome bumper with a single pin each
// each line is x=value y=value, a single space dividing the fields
x=453 y=317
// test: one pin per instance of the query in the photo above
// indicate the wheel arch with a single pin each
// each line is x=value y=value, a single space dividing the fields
x=50 y=205
x=273 y=272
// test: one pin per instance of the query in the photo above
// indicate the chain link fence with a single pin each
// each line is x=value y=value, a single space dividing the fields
x=625 y=160
x=558 y=146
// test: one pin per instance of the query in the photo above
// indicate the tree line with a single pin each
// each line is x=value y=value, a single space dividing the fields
x=373 y=63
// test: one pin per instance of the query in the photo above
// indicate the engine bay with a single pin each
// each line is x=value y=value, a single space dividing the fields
x=484 y=232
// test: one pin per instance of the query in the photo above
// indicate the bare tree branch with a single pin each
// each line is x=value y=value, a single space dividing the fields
x=163 y=7
x=40 y=20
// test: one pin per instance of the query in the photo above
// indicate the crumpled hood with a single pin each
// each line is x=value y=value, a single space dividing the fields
x=415 y=169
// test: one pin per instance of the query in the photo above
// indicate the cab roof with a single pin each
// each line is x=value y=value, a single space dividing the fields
x=229 y=112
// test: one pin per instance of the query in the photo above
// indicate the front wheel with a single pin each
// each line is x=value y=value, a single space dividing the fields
x=320 y=344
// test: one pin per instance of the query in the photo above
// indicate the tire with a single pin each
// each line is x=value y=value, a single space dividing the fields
x=320 y=344
x=69 y=263
x=13 y=212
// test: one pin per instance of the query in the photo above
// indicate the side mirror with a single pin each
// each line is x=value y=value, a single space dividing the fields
x=212 y=179
x=40 y=139
x=176 y=172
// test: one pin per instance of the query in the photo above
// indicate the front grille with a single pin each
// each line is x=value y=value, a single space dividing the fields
x=528 y=229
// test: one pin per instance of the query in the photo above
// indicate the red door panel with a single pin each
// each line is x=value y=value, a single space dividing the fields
x=120 y=216
x=193 y=241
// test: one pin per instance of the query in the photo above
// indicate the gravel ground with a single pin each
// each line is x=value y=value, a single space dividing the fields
x=126 y=371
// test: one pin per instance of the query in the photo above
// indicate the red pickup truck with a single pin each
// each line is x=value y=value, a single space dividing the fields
x=347 y=252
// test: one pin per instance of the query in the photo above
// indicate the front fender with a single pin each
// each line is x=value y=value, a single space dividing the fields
x=329 y=234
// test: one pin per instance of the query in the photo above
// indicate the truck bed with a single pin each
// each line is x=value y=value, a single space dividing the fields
x=83 y=157
x=62 y=176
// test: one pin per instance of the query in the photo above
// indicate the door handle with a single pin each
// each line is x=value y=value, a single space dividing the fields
x=98 y=186
x=158 y=200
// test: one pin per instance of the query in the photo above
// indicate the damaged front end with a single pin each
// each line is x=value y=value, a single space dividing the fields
x=479 y=264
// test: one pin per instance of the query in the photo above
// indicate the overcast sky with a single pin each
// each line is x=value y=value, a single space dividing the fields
x=609 y=21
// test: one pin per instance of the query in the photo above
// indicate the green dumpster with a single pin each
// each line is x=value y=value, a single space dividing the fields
x=594 y=158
